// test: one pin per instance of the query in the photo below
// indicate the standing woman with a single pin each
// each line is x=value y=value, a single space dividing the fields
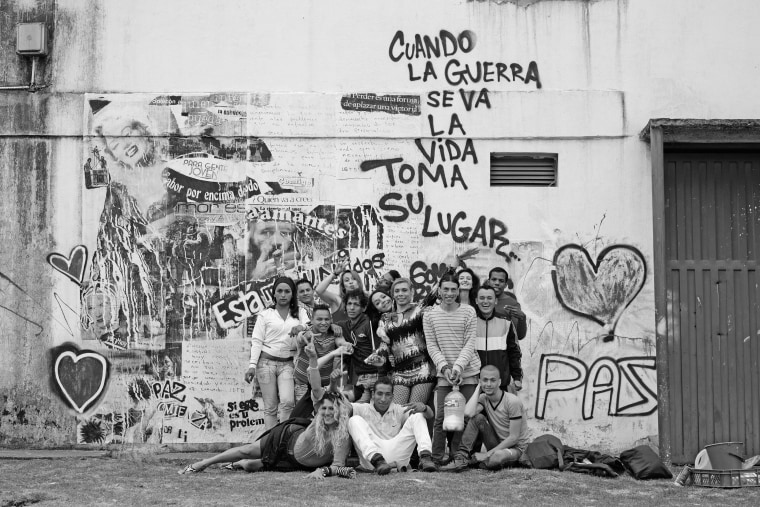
x=468 y=287
x=273 y=349
x=412 y=371
x=450 y=334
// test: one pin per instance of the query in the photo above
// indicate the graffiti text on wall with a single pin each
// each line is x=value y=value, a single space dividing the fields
x=444 y=156
x=631 y=393
x=447 y=45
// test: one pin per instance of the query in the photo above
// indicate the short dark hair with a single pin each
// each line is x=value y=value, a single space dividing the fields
x=498 y=270
x=304 y=281
x=358 y=293
x=394 y=274
x=486 y=286
x=449 y=276
x=320 y=306
x=384 y=380
x=491 y=368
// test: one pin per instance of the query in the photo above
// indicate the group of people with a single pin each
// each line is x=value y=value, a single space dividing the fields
x=356 y=367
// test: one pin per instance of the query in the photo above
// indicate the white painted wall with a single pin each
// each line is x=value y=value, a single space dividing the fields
x=606 y=68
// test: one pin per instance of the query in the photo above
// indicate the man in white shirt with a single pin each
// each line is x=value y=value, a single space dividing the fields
x=385 y=433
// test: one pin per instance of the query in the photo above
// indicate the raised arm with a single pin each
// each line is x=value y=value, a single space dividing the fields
x=315 y=381
x=322 y=289
x=473 y=407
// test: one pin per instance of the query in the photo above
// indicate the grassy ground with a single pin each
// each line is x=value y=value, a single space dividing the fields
x=110 y=481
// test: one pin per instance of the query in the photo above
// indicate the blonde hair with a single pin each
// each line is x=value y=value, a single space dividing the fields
x=336 y=434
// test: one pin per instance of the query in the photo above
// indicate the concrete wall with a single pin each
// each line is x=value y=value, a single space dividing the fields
x=605 y=68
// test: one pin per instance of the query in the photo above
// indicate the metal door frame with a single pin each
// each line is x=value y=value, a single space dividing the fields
x=665 y=134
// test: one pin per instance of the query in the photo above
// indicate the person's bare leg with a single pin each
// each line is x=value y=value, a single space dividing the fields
x=250 y=465
x=244 y=452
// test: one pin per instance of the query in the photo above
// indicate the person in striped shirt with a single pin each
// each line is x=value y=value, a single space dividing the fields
x=450 y=335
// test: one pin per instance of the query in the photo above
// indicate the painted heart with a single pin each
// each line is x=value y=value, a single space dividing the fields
x=72 y=266
x=81 y=377
x=603 y=290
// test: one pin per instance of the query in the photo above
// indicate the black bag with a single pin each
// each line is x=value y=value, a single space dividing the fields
x=597 y=469
x=546 y=452
x=584 y=456
x=643 y=463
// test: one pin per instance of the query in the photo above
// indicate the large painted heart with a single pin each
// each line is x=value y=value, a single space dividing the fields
x=81 y=377
x=603 y=290
x=72 y=266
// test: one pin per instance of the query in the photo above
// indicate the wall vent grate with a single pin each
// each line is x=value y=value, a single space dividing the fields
x=524 y=169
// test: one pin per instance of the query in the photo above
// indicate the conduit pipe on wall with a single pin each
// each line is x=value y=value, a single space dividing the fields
x=31 y=87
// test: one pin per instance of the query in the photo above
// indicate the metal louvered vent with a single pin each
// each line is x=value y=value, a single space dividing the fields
x=524 y=169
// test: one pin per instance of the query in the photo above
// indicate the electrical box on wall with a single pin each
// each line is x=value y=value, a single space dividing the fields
x=31 y=39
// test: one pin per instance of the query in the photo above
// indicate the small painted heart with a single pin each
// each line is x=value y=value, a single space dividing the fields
x=81 y=377
x=72 y=266
x=603 y=290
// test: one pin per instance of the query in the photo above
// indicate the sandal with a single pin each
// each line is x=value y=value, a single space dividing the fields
x=189 y=469
x=232 y=467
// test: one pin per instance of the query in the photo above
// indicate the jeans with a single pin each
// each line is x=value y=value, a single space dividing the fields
x=479 y=430
x=276 y=383
x=439 y=436
x=398 y=449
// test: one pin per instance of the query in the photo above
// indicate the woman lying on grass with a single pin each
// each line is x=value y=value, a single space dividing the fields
x=297 y=442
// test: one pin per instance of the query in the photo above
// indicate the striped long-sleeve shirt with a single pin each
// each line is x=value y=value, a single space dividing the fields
x=451 y=339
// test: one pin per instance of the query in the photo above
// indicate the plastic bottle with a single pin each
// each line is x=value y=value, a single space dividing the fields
x=453 y=410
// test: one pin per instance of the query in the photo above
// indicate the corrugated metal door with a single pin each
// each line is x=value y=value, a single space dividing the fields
x=712 y=245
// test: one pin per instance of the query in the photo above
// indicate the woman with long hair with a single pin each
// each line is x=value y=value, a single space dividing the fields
x=378 y=304
x=320 y=445
x=468 y=286
x=412 y=371
x=273 y=348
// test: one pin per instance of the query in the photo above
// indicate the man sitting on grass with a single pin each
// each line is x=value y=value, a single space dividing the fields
x=385 y=433
x=497 y=419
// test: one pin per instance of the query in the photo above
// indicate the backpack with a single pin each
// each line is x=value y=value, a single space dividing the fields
x=546 y=452
x=643 y=463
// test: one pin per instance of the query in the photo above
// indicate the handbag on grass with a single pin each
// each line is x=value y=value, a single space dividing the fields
x=643 y=463
x=546 y=452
